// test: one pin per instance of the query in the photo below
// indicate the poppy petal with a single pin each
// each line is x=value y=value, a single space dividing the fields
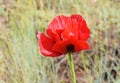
x=66 y=34
x=61 y=46
x=45 y=45
x=73 y=26
x=53 y=35
x=83 y=30
x=78 y=44
x=71 y=30
x=56 y=27
x=81 y=45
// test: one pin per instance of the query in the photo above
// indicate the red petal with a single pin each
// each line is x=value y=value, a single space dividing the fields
x=54 y=35
x=45 y=45
x=71 y=30
x=83 y=30
x=81 y=45
x=56 y=27
x=66 y=34
x=62 y=45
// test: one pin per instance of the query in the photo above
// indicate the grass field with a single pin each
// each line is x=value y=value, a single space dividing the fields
x=20 y=60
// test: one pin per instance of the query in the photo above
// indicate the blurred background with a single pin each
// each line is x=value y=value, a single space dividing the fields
x=20 y=60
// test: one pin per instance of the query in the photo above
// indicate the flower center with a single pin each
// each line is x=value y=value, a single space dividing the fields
x=70 y=48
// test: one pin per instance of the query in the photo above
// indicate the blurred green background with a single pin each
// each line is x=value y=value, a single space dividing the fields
x=20 y=60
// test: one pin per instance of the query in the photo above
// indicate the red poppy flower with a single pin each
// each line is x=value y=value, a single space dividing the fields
x=64 y=34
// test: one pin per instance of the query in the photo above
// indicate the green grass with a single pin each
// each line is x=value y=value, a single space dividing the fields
x=20 y=60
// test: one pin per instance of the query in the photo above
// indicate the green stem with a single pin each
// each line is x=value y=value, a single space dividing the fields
x=70 y=61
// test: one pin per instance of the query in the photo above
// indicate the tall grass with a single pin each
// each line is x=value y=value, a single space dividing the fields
x=19 y=53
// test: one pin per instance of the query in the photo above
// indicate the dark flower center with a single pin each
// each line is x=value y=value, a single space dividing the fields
x=70 y=48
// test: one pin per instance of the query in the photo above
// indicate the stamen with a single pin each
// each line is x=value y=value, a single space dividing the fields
x=70 y=48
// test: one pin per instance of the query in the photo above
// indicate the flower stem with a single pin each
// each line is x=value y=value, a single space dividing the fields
x=70 y=61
